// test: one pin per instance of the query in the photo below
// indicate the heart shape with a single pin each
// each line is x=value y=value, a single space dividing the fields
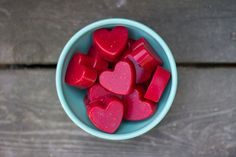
x=121 y=80
x=96 y=61
x=110 y=43
x=80 y=76
x=136 y=108
x=107 y=118
x=98 y=93
x=81 y=71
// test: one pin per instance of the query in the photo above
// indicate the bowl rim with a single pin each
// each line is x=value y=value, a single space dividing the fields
x=59 y=80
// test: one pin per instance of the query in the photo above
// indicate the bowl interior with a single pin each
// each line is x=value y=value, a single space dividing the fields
x=74 y=96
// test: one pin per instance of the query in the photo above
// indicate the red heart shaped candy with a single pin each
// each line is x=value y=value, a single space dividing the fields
x=79 y=75
x=98 y=93
x=110 y=43
x=158 y=84
x=96 y=61
x=136 y=108
x=108 y=116
x=80 y=58
x=121 y=80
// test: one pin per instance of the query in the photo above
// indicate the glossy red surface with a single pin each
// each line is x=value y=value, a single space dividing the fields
x=110 y=43
x=80 y=76
x=142 y=75
x=141 y=42
x=96 y=61
x=144 y=58
x=80 y=58
x=157 y=85
x=145 y=55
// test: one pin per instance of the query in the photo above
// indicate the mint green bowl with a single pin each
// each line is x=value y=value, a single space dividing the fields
x=72 y=98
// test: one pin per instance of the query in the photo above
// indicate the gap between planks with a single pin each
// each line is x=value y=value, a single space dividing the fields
x=53 y=66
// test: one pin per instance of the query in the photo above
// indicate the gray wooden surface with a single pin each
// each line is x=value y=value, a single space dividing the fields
x=196 y=30
x=202 y=36
x=201 y=122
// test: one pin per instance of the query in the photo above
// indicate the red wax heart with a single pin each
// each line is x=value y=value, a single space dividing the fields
x=80 y=58
x=121 y=80
x=96 y=61
x=93 y=104
x=136 y=108
x=88 y=103
x=111 y=43
x=142 y=75
x=80 y=76
x=90 y=61
x=157 y=85
x=98 y=93
x=107 y=117
x=144 y=54
x=99 y=64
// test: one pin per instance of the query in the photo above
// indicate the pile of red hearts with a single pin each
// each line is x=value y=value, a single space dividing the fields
x=124 y=78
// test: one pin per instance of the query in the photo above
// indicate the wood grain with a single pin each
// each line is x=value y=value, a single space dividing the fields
x=201 y=122
x=34 y=32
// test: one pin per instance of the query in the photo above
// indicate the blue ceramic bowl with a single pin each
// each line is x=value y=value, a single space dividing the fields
x=72 y=98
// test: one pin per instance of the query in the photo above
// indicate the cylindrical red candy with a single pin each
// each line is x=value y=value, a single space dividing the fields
x=145 y=55
x=157 y=85
x=145 y=58
x=142 y=75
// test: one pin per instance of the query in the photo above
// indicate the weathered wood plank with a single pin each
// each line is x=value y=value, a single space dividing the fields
x=201 y=122
x=196 y=30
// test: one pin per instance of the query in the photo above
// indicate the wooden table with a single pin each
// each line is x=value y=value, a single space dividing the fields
x=202 y=36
